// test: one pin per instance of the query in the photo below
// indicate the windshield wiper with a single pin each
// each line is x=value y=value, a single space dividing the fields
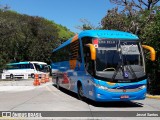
x=121 y=64
x=131 y=70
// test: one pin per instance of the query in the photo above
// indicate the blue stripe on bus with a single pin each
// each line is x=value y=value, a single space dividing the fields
x=18 y=63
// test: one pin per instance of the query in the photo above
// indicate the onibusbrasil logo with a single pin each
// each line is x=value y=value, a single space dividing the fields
x=21 y=114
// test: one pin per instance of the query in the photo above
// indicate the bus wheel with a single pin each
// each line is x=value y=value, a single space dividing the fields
x=32 y=75
x=80 y=92
x=57 y=84
x=11 y=76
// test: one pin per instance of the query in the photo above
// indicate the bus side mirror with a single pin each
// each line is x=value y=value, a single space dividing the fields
x=92 y=51
x=152 y=52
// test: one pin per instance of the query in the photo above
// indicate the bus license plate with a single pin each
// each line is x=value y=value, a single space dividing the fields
x=124 y=97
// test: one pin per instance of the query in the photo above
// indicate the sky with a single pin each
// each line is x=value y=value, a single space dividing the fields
x=65 y=12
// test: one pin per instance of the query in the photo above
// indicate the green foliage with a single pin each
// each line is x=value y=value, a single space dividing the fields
x=64 y=33
x=115 y=20
x=150 y=36
x=27 y=38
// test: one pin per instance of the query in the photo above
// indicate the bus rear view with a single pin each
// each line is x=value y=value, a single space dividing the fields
x=106 y=65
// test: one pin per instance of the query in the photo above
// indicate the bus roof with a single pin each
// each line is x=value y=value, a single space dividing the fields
x=107 y=34
x=110 y=34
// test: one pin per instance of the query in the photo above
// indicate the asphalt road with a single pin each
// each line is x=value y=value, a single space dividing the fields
x=23 y=96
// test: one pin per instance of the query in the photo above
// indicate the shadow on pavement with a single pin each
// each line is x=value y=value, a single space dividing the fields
x=119 y=104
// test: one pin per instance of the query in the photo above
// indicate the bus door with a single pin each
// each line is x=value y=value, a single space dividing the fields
x=89 y=66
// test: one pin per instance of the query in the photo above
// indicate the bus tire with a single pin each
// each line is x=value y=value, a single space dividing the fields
x=11 y=76
x=32 y=75
x=80 y=92
x=57 y=83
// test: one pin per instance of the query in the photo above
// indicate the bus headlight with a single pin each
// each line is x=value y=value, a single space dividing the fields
x=102 y=87
x=98 y=86
x=142 y=87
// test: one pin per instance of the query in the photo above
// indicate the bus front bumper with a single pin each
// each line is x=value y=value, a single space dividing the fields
x=105 y=95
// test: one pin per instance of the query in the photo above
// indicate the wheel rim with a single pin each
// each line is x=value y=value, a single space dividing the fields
x=32 y=75
x=80 y=93
x=11 y=76
x=57 y=84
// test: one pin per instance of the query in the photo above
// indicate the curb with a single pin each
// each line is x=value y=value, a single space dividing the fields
x=153 y=96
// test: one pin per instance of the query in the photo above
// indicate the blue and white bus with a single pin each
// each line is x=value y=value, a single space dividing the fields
x=29 y=68
x=102 y=65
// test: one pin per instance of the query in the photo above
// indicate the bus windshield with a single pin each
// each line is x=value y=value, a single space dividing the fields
x=113 y=54
x=41 y=67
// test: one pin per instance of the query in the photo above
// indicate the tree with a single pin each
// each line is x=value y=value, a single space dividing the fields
x=150 y=36
x=86 y=25
x=7 y=31
x=129 y=17
x=132 y=6
x=28 y=38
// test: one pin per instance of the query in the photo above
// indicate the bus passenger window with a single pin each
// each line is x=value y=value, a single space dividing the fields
x=31 y=66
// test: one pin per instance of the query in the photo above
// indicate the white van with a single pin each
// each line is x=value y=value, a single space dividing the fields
x=23 y=69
